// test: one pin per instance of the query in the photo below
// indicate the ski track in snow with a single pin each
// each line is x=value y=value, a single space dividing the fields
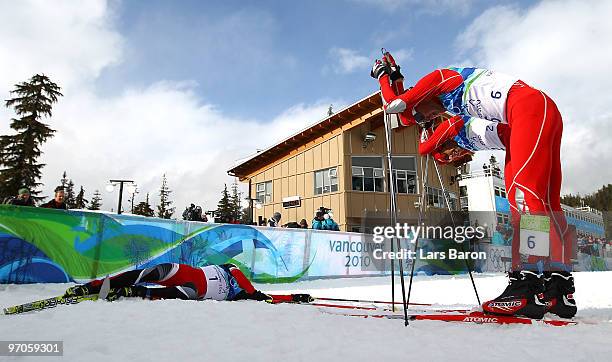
x=137 y=330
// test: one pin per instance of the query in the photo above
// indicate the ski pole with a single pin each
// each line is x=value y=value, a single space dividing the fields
x=467 y=264
x=368 y=301
x=424 y=175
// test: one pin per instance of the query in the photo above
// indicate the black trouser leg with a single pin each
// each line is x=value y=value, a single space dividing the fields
x=129 y=278
x=184 y=292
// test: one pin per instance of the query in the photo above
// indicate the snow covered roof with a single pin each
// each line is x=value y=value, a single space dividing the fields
x=370 y=104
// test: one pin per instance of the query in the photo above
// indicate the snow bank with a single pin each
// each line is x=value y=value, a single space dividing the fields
x=138 y=330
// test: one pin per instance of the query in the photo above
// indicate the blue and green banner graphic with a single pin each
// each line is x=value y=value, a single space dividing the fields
x=44 y=245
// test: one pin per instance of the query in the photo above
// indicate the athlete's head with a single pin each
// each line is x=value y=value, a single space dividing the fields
x=430 y=108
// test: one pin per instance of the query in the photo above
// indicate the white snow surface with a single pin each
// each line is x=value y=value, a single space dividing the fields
x=176 y=330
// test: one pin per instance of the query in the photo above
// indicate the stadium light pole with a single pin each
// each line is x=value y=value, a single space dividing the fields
x=111 y=186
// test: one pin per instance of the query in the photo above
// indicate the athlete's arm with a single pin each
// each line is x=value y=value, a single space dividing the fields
x=445 y=131
x=433 y=84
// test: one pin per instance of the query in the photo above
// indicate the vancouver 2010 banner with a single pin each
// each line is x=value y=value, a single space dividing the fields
x=44 y=245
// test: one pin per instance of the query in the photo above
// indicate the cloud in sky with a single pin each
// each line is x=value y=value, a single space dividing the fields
x=68 y=42
x=431 y=7
x=562 y=48
x=348 y=60
x=138 y=133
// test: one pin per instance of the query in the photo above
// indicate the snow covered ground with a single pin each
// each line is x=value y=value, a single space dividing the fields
x=174 y=330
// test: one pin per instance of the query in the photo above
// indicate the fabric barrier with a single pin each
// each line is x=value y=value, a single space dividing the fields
x=44 y=245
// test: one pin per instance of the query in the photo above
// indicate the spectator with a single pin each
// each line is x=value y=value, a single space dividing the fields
x=194 y=213
x=58 y=201
x=292 y=225
x=323 y=221
x=188 y=213
x=199 y=215
x=23 y=198
x=303 y=224
x=275 y=220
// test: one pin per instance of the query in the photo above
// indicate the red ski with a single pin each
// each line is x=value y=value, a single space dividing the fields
x=483 y=318
x=465 y=317
x=425 y=311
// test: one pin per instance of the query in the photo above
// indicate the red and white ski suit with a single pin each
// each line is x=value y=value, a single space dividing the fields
x=533 y=145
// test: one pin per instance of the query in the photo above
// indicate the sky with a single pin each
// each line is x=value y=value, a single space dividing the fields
x=188 y=88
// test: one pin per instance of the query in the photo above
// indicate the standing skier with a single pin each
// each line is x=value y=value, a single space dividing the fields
x=532 y=141
x=181 y=281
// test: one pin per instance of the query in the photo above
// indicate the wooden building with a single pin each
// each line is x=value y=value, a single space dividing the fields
x=340 y=163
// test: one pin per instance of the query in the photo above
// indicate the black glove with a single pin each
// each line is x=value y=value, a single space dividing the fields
x=396 y=74
x=302 y=298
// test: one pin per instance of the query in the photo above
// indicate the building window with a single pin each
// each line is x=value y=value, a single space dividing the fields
x=453 y=201
x=434 y=197
x=326 y=181
x=367 y=174
x=404 y=174
x=502 y=218
x=500 y=191
x=360 y=229
x=264 y=192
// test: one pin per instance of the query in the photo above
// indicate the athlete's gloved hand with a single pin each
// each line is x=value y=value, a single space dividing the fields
x=302 y=298
x=396 y=74
x=379 y=69
x=392 y=67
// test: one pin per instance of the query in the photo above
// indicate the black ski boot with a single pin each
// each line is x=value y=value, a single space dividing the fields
x=522 y=297
x=559 y=294
x=78 y=291
x=133 y=291
x=93 y=287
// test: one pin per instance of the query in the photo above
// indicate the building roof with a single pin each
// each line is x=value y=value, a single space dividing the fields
x=367 y=105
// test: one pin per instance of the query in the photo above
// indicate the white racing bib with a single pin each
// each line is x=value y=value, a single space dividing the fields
x=535 y=235
x=485 y=94
x=482 y=134
x=217 y=286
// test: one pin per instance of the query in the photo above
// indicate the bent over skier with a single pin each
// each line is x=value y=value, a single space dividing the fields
x=498 y=111
x=182 y=281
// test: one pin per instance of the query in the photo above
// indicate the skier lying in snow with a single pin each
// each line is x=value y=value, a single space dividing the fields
x=181 y=281
x=495 y=111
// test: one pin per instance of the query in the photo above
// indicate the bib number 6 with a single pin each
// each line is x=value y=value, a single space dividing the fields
x=531 y=242
x=534 y=235
x=496 y=95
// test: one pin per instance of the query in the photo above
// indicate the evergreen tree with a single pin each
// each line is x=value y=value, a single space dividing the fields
x=225 y=208
x=235 y=201
x=18 y=153
x=144 y=208
x=80 y=202
x=96 y=201
x=246 y=217
x=163 y=209
x=69 y=196
x=132 y=198
x=64 y=179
